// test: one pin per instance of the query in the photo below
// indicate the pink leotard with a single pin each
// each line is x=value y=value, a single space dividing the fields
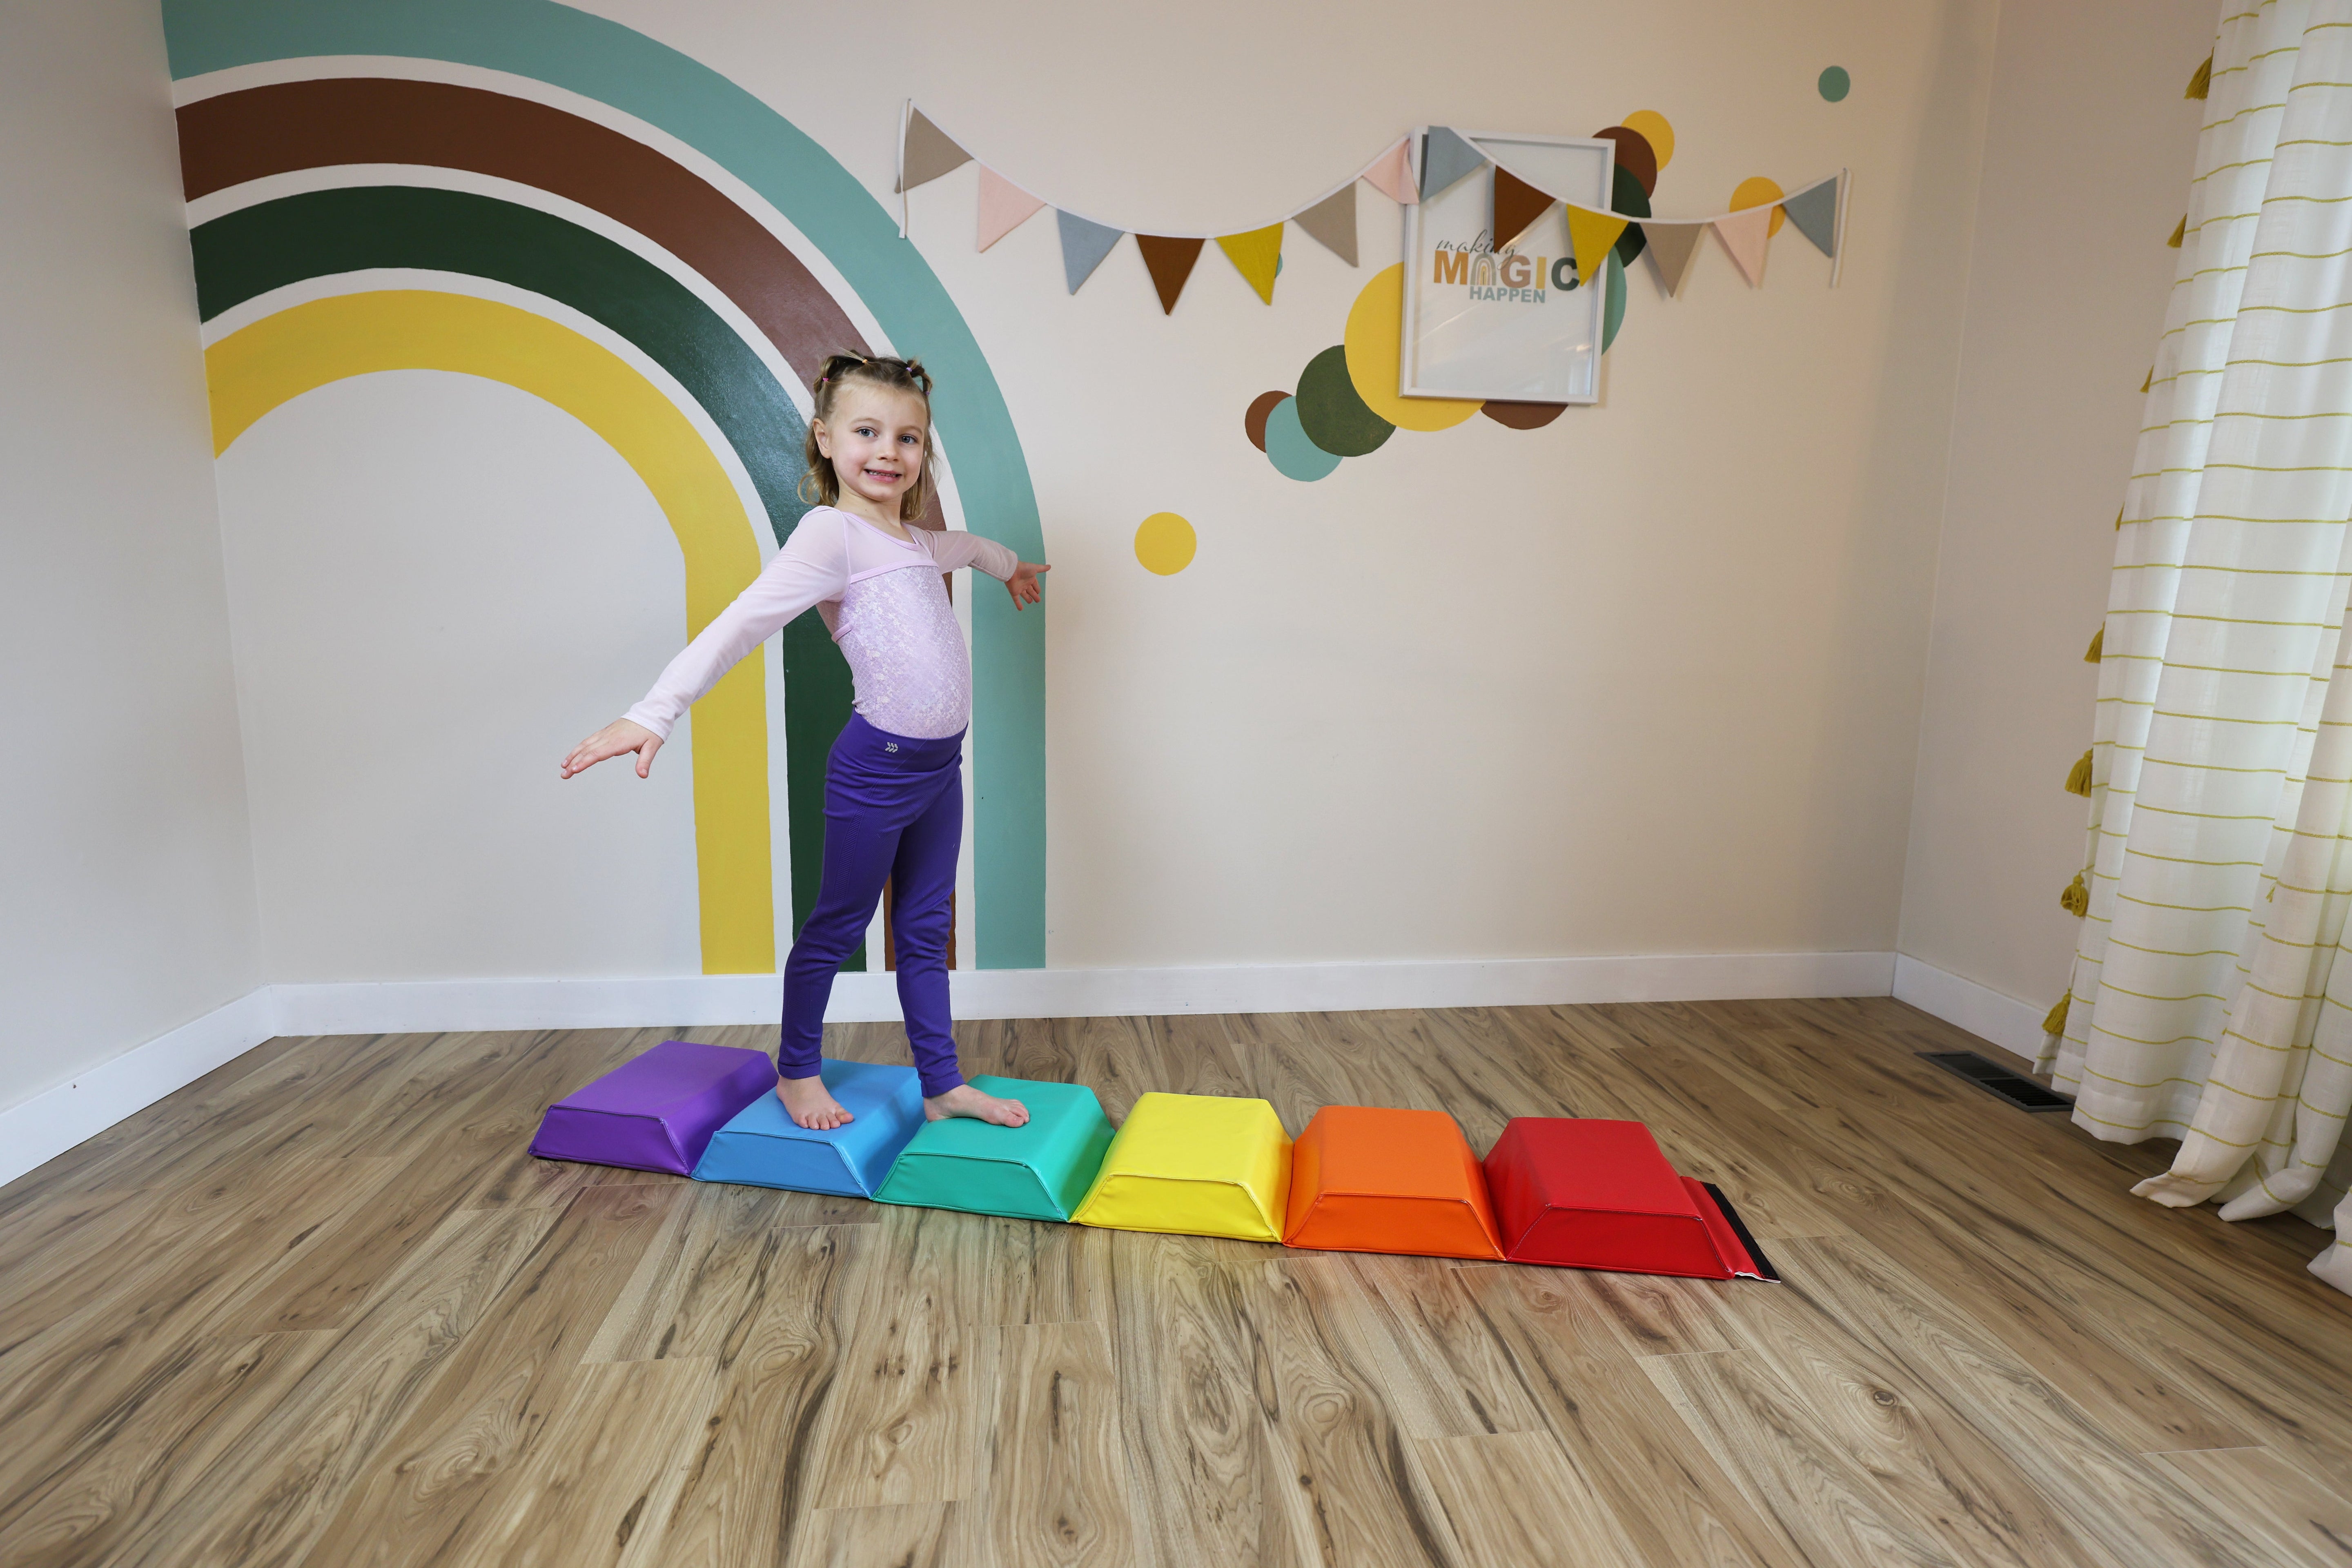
x=885 y=605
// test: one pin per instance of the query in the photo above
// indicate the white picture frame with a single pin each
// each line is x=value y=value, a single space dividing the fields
x=1487 y=340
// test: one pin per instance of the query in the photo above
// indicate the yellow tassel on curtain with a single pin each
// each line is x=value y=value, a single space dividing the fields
x=2203 y=82
x=2055 y=1023
x=2076 y=898
x=2098 y=648
x=2180 y=232
x=2078 y=779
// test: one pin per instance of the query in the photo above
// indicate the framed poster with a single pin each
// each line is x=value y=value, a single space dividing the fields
x=1515 y=323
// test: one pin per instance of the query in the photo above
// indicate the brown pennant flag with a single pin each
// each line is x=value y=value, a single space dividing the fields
x=929 y=153
x=1171 y=262
x=1516 y=205
x=1673 y=247
x=1332 y=222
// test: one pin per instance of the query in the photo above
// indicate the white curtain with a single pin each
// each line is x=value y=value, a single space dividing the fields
x=2211 y=999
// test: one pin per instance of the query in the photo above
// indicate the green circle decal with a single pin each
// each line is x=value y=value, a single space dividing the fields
x=1333 y=415
x=1835 y=84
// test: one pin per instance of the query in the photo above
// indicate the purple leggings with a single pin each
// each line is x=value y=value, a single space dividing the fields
x=893 y=810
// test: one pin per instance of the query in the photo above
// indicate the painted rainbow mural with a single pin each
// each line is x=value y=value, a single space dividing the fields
x=520 y=191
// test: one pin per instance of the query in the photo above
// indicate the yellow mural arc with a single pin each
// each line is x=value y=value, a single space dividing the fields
x=280 y=357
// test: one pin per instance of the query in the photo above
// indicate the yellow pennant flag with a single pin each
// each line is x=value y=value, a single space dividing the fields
x=1591 y=234
x=1257 y=254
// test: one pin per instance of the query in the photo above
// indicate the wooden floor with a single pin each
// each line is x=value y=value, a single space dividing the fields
x=320 y=1308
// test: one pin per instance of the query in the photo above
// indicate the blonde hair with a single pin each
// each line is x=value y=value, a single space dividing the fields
x=820 y=485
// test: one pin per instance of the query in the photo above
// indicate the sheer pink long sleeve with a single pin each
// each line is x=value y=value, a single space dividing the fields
x=884 y=603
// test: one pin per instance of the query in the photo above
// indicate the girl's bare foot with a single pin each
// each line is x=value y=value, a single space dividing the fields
x=965 y=1100
x=811 y=1105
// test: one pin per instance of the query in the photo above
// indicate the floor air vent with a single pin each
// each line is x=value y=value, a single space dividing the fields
x=2002 y=1083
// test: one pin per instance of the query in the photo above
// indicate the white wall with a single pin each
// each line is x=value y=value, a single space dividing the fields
x=2086 y=171
x=126 y=878
x=435 y=577
x=1644 y=682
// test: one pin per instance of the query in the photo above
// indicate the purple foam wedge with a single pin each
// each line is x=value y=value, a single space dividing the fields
x=658 y=1112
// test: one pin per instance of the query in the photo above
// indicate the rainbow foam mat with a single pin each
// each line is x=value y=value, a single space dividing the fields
x=1194 y=1164
x=763 y=1146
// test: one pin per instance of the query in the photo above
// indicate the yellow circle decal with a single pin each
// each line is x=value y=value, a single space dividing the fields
x=1375 y=330
x=1653 y=129
x=1754 y=192
x=1165 y=542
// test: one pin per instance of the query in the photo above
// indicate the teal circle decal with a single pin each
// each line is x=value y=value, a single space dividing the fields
x=1293 y=454
x=1835 y=84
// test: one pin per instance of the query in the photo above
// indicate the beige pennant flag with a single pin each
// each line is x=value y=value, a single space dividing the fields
x=929 y=153
x=1746 y=235
x=1590 y=234
x=1257 y=255
x=1332 y=222
x=1673 y=247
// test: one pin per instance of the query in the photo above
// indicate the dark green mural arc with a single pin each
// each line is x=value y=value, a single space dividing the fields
x=245 y=254
x=268 y=245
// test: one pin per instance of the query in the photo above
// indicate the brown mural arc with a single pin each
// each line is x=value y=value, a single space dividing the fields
x=239 y=136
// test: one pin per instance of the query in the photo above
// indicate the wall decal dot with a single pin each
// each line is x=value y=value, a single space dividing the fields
x=1754 y=192
x=1835 y=83
x=1333 y=416
x=1634 y=153
x=1164 y=543
x=1287 y=446
x=1522 y=416
x=1254 y=422
x=1375 y=325
x=1653 y=128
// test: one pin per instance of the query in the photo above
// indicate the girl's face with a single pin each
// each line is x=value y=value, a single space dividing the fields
x=875 y=439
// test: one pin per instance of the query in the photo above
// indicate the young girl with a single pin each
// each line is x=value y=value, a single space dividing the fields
x=894 y=783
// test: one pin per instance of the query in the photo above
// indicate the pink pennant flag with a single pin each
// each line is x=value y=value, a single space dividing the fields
x=1392 y=175
x=1003 y=206
x=1744 y=235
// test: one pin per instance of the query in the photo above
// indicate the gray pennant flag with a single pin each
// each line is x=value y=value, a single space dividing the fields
x=1084 y=245
x=1446 y=159
x=1814 y=212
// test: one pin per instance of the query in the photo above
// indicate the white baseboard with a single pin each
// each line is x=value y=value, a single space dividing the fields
x=51 y=1122
x=48 y=1125
x=2012 y=1025
x=707 y=999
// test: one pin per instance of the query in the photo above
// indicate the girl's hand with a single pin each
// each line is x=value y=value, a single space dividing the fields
x=1023 y=585
x=617 y=739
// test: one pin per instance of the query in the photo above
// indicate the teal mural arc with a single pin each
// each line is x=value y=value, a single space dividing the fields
x=661 y=87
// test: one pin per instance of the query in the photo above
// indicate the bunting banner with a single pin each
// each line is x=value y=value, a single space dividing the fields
x=1084 y=245
x=1744 y=236
x=927 y=153
x=1516 y=205
x=1003 y=206
x=1332 y=222
x=1170 y=261
x=1673 y=247
x=1257 y=254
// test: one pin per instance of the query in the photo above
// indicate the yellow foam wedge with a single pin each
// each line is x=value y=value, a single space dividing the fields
x=1194 y=1164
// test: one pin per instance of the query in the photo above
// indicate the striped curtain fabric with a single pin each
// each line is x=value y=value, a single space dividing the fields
x=2211 y=1000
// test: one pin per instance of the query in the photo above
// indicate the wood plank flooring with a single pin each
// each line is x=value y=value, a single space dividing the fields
x=320 y=1308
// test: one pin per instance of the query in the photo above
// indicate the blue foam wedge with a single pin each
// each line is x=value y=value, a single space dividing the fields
x=762 y=1147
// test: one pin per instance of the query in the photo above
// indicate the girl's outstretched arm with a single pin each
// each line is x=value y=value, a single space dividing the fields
x=812 y=567
x=952 y=548
x=617 y=739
